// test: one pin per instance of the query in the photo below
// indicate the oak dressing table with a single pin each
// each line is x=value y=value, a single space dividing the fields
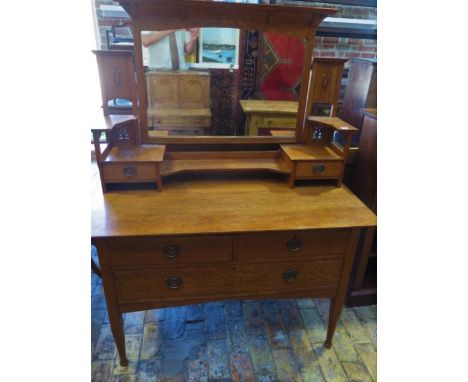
x=225 y=237
x=226 y=226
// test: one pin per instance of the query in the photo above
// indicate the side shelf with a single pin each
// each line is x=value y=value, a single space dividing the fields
x=319 y=157
x=123 y=160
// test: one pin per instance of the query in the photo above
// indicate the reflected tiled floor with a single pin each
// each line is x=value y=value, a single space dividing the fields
x=251 y=340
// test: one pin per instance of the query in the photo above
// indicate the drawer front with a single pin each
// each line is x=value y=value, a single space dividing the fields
x=284 y=276
x=166 y=283
x=318 y=169
x=277 y=121
x=181 y=121
x=170 y=251
x=287 y=245
x=129 y=172
x=138 y=285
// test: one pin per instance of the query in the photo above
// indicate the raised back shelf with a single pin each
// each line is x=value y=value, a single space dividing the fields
x=270 y=161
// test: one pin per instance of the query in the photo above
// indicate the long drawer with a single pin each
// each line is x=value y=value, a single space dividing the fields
x=170 y=251
x=152 y=284
x=289 y=245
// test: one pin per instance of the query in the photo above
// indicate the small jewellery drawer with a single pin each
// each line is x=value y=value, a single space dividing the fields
x=170 y=250
x=129 y=172
x=318 y=169
x=292 y=245
x=133 y=285
x=278 y=276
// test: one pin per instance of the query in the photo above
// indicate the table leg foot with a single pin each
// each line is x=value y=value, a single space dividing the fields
x=327 y=344
x=124 y=362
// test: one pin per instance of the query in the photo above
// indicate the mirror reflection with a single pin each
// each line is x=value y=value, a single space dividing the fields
x=221 y=82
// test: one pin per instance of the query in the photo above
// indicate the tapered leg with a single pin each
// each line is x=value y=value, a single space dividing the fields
x=336 y=304
x=333 y=317
x=115 y=317
x=95 y=268
x=117 y=328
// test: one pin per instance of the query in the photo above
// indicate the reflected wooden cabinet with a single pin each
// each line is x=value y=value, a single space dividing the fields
x=179 y=102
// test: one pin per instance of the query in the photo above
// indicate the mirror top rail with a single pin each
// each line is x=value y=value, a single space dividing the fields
x=295 y=19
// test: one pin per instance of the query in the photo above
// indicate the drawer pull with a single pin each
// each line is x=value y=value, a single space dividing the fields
x=319 y=168
x=171 y=251
x=290 y=275
x=174 y=282
x=294 y=245
x=130 y=171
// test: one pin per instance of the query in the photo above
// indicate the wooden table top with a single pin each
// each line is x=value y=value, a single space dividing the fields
x=266 y=106
x=215 y=204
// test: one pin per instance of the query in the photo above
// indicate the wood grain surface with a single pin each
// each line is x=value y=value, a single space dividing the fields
x=225 y=204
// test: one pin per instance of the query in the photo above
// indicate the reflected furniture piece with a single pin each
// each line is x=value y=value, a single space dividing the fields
x=179 y=102
x=117 y=77
x=360 y=92
x=226 y=225
x=326 y=76
x=183 y=246
x=362 y=288
x=121 y=159
x=268 y=115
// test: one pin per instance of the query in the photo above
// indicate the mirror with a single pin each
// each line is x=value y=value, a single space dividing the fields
x=221 y=82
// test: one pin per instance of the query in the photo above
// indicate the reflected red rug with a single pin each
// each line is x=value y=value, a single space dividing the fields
x=280 y=67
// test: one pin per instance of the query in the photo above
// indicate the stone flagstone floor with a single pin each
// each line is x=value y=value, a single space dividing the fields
x=252 y=340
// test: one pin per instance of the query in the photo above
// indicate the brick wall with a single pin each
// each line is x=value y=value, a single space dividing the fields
x=347 y=47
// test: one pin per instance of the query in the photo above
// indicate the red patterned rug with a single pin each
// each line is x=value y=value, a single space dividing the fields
x=280 y=67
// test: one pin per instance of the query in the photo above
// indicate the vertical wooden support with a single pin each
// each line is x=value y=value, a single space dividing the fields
x=115 y=317
x=336 y=304
x=305 y=101
x=142 y=132
x=98 y=154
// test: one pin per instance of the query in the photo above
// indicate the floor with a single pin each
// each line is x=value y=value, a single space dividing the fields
x=252 y=340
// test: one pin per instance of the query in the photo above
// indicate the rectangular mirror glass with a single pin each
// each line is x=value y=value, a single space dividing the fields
x=221 y=82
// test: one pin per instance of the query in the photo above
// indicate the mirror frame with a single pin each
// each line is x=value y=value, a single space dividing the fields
x=290 y=20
